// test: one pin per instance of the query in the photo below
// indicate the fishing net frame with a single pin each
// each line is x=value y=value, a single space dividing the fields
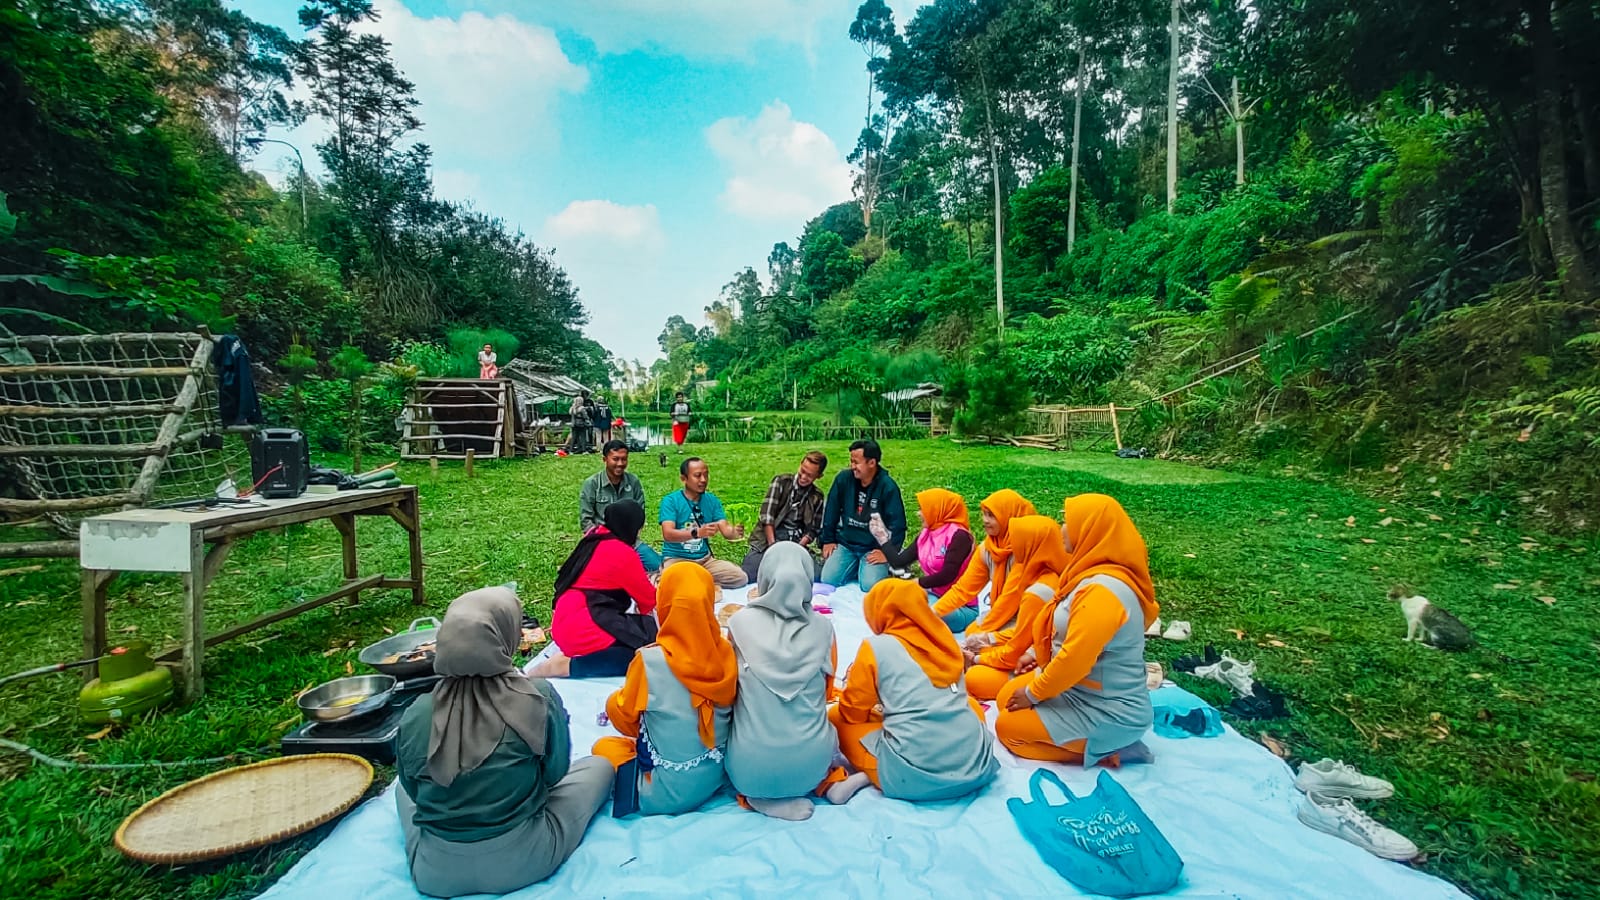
x=92 y=423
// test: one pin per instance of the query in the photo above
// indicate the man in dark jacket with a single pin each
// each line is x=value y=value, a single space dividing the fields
x=849 y=551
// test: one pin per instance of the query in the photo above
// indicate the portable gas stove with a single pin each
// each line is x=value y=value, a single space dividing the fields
x=372 y=736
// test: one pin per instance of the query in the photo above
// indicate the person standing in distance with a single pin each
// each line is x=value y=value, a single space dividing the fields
x=680 y=420
x=849 y=551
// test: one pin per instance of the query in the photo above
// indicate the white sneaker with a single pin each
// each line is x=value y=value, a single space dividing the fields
x=1333 y=778
x=1340 y=817
x=1231 y=672
x=1155 y=628
x=1179 y=631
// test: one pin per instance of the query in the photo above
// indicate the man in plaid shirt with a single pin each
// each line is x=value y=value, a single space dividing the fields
x=791 y=511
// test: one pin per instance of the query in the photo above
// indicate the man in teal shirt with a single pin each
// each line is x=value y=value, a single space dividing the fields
x=689 y=517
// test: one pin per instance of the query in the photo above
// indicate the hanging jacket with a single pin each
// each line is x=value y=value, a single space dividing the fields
x=237 y=402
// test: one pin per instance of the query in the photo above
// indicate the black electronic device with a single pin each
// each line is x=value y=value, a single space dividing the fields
x=280 y=462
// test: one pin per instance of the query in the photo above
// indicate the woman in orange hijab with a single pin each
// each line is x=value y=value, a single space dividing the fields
x=1088 y=702
x=1037 y=561
x=989 y=566
x=675 y=705
x=904 y=722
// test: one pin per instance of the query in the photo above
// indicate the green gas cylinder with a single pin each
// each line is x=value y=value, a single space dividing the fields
x=129 y=685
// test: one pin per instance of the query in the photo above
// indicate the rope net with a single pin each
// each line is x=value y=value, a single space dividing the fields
x=123 y=418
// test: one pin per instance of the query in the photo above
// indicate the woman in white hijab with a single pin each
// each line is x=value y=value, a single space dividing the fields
x=780 y=743
x=489 y=798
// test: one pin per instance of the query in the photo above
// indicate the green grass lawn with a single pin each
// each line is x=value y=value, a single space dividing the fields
x=1493 y=752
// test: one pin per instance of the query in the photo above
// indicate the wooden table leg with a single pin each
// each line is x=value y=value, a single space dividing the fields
x=346 y=524
x=94 y=589
x=194 y=619
x=414 y=534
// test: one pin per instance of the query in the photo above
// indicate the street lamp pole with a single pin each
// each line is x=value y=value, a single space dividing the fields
x=255 y=144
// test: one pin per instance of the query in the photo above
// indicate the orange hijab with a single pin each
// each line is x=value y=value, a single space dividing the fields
x=941 y=507
x=900 y=609
x=1005 y=505
x=692 y=642
x=1037 y=555
x=1105 y=542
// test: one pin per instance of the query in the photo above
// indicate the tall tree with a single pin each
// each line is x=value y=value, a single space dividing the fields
x=1173 y=60
x=874 y=30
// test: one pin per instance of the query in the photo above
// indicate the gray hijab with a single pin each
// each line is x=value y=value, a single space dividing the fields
x=779 y=638
x=482 y=692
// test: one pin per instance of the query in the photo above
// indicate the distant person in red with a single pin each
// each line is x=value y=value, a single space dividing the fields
x=680 y=420
x=488 y=363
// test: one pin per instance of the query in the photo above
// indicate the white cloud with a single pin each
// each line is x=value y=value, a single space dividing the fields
x=714 y=28
x=614 y=253
x=486 y=84
x=487 y=87
x=613 y=225
x=778 y=168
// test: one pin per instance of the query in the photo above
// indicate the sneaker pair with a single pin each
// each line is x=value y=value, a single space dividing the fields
x=1341 y=818
x=1336 y=778
x=1239 y=676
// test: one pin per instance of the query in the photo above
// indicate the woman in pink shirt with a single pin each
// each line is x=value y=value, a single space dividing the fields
x=592 y=627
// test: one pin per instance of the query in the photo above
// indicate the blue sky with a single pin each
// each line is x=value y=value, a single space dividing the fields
x=658 y=146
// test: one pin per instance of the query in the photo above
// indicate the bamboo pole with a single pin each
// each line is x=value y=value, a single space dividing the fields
x=183 y=338
x=88 y=412
x=114 y=451
x=113 y=371
x=66 y=504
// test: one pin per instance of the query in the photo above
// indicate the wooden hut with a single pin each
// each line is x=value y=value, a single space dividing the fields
x=922 y=404
x=446 y=417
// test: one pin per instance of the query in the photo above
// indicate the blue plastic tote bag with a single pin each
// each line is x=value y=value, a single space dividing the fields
x=1103 y=843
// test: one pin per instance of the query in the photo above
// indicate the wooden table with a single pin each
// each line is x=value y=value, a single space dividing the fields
x=195 y=543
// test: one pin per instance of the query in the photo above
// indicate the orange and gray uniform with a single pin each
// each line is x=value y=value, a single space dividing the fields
x=978 y=574
x=1090 y=694
x=653 y=705
x=928 y=743
x=996 y=663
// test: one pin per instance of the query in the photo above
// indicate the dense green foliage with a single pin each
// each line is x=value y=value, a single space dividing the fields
x=1403 y=235
x=127 y=131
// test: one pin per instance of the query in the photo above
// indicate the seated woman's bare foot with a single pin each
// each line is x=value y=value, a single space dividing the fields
x=840 y=792
x=1136 y=753
x=557 y=666
x=791 y=809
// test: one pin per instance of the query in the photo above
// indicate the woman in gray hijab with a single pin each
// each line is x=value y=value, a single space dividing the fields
x=488 y=798
x=780 y=743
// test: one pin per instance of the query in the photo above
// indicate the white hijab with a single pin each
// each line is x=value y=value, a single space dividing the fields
x=779 y=638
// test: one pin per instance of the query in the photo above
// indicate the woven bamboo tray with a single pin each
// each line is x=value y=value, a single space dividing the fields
x=243 y=808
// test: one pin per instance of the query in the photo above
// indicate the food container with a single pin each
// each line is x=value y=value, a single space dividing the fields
x=346 y=698
x=421 y=631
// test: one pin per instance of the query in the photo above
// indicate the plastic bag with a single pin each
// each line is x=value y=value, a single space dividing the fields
x=1103 y=842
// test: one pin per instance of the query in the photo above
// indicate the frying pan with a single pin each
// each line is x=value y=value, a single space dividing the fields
x=321 y=703
x=402 y=643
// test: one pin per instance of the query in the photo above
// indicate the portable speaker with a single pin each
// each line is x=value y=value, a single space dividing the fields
x=284 y=453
